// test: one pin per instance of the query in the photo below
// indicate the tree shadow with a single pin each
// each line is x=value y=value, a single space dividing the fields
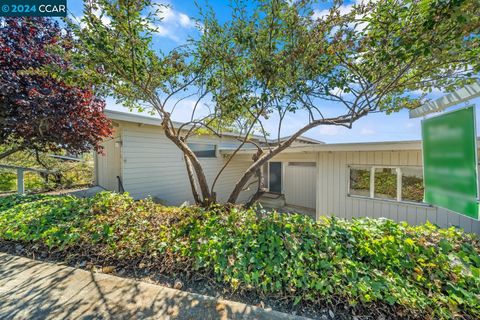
x=34 y=290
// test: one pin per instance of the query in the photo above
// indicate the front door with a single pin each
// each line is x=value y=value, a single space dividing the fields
x=275 y=177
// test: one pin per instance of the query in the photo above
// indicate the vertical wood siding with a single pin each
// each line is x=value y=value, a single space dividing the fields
x=154 y=166
x=299 y=185
x=108 y=164
x=333 y=199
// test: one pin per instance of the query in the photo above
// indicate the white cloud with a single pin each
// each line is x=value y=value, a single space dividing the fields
x=340 y=93
x=166 y=14
x=185 y=21
x=320 y=14
x=344 y=9
x=97 y=12
x=105 y=20
x=173 y=24
x=164 y=31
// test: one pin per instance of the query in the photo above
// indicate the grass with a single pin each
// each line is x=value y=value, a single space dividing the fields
x=362 y=265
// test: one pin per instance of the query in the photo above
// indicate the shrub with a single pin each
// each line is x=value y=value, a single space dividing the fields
x=52 y=220
x=8 y=180
x=419 y=271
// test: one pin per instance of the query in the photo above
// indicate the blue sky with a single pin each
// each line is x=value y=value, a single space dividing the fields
x=179 y=23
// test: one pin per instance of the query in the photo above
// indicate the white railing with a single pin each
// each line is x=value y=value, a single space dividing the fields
x=20 y=175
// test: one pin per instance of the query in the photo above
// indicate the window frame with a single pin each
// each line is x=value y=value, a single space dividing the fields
x=372 y=169
x=204 y=144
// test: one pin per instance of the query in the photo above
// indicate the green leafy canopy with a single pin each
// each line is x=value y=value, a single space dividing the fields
x=283 y=56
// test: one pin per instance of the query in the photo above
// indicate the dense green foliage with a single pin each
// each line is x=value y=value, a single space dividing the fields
x=7 y=180
x=65 y=174
x=414 y=271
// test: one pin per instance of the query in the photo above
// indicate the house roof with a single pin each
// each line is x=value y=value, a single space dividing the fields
x=136 y=118
x=155 y=121
x=303 y=139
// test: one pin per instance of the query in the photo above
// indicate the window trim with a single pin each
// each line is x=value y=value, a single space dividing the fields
x=372 y=168
x=309 y=164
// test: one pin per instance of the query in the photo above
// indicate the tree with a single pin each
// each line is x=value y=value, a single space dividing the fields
x=39 y=112
x=283 y=57
x=279 y=57
x=114 y=48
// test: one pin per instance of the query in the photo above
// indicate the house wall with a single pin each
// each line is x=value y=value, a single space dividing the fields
x=333 y=198
x=300 y=184
x=153 y=166
x=108 y=165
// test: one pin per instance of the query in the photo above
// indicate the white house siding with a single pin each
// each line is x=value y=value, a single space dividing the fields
x=154 y=166
x=108 y=164
x=300 y=184
x=333 y=199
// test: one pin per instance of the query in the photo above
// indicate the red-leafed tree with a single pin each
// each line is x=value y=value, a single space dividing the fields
x=38 y=111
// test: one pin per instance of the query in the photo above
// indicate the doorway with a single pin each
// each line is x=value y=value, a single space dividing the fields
x=275 y=177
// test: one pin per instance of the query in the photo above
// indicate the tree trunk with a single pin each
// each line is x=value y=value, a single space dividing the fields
x=249 y=173
x=257 y=164
x=257 y=194
x=9 y=152
x=191 y=179
x=207 y=198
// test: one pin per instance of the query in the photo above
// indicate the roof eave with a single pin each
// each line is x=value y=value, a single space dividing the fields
x=361 y=146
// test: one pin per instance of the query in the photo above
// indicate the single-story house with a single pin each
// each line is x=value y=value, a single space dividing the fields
x=347 y=180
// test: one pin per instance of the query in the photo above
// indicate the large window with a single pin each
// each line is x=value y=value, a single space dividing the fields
x=390 y=183
x=203 y=150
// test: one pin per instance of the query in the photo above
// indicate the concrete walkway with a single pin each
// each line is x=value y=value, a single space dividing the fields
x=31 y=289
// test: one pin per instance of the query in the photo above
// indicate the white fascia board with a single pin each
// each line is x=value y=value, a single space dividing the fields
x=361 y=146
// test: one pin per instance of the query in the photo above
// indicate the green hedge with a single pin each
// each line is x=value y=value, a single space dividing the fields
x=413 y=271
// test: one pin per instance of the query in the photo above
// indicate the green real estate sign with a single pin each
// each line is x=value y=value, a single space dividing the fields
x=450 y=161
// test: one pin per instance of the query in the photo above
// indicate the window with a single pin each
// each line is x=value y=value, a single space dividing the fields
x=390 y=183
x=360 y=182
x=385 y=183
x=204 y=150
x=412 y=184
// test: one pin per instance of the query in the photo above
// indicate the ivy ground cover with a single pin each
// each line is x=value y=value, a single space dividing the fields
x=361 y=267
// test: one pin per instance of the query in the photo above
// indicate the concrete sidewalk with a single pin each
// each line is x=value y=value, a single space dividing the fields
x=37 y=290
